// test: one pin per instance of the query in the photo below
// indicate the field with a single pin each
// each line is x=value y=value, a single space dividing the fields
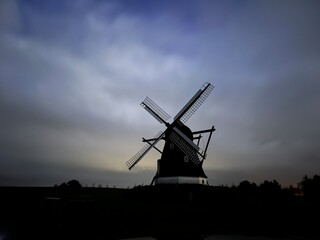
x=184 y=212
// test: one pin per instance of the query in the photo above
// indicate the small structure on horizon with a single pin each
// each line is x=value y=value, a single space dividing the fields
x=181 y=158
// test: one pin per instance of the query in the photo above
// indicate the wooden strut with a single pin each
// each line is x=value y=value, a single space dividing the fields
x=150 y=140
x=211 y=131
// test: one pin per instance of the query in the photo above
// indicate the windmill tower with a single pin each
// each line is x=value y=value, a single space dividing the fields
x=181 y=158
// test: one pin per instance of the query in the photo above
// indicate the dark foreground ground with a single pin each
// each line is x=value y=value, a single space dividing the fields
x=172 y=212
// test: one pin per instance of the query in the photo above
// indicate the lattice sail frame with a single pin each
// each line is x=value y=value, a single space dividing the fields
x=191 y=150
x=194 y=103
x=155 y=110
x=143 y=151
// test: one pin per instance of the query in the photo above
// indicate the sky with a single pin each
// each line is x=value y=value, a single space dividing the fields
x=73 y=73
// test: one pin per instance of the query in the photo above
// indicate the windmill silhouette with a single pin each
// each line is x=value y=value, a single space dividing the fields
x=181 y=159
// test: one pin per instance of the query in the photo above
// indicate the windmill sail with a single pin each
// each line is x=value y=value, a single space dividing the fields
x=194 y=103
x=139 y=155
x=155 y=110
x=186 y=146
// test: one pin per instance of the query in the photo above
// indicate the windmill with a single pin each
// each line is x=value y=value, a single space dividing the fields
x=181 y=158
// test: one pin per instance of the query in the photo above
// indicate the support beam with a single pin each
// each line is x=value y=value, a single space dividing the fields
x=148 y=141
x=212 y=130
x=204 y=131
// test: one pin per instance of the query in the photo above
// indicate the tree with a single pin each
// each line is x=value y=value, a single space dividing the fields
x=71 y=184
x=74 y=184
x=310 y=187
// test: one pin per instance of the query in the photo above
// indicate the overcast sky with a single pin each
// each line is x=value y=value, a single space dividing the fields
x=73 y=73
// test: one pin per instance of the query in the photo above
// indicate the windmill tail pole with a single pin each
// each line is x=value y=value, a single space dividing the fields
x=211 y=131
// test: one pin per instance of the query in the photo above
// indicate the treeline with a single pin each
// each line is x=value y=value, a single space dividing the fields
x=308 y=187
